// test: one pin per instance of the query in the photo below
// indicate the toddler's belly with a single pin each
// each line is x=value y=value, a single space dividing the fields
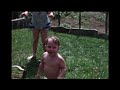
x=51 y=73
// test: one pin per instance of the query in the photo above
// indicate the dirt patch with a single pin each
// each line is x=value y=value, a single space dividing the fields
x=92 y=23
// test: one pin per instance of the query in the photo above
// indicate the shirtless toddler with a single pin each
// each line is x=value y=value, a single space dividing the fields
x=52 y=63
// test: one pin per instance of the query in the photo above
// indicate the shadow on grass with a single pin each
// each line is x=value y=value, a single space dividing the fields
x=31 y=69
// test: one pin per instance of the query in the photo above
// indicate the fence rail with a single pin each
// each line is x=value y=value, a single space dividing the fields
x=18 y=19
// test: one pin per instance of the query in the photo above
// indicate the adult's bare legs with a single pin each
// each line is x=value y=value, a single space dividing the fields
x=43 y=37
x=35 y=41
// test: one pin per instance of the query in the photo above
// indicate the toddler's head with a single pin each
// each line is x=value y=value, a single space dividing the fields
x=52 y=44
x=54 y=39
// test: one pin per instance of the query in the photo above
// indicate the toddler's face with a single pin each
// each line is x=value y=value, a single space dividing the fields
x=51 y=47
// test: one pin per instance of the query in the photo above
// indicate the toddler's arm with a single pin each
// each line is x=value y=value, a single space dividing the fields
x=63 y=70
x=40 y=69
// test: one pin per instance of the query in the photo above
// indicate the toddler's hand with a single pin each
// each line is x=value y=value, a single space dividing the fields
x=60 y=78
x=38 y=76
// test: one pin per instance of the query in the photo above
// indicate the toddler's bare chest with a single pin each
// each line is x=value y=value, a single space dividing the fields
x=52 y=62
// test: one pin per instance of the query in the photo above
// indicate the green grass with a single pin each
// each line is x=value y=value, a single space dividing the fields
x=86 y=57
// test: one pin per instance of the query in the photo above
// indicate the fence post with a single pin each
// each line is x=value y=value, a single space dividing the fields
x=107 y=22
x=58 y=18
x=79 y=20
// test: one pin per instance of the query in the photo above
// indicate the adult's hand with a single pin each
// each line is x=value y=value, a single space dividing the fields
x=50 y=14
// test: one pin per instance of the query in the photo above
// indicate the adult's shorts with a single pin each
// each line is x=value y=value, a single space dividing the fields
x=40 y=20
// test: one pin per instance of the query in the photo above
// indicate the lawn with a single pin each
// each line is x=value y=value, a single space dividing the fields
x=86 y=57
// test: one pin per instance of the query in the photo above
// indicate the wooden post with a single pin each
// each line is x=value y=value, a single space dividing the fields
x=107 y=22
x=58 y=18
x=79 y=20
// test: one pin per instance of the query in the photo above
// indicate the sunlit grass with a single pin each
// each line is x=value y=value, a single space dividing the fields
x=86 y=57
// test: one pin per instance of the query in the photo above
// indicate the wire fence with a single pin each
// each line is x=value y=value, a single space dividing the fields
x=89 y=20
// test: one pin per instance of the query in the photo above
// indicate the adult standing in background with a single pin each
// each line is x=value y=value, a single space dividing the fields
x=41 y=24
